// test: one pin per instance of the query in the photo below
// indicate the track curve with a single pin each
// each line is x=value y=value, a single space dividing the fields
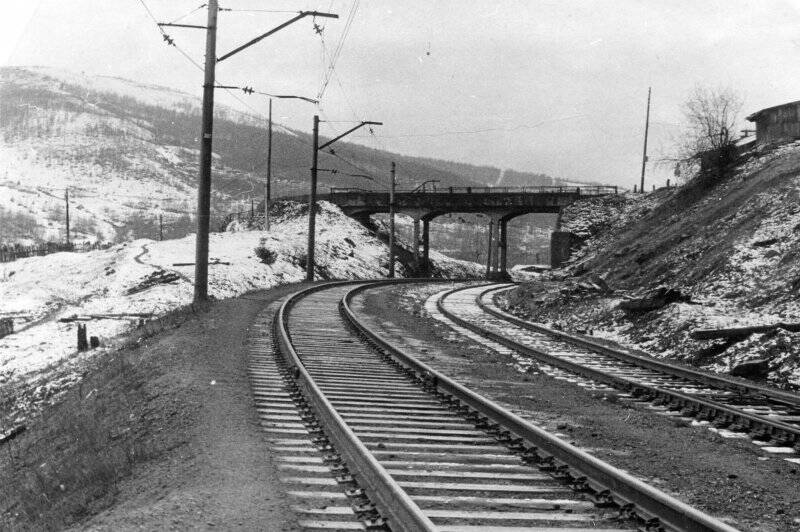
x=432 y=455
x=766 y=414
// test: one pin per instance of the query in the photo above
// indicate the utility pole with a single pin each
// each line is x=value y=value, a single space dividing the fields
x=646 y=129
x=267 y=189
x=391 y=223
x=312 y=203
x=66 y=198
x=160 y=227
x=312 y=197
x=204 y=188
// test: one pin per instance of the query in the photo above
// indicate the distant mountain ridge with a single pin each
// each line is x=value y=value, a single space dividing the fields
x=128 y=153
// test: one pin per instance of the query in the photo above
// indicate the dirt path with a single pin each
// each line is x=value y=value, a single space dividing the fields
x=163 y=436
x=219 y=476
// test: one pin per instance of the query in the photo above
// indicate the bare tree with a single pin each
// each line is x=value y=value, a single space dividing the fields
x=711 y=116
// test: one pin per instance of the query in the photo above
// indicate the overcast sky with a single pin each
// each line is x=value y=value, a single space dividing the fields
x=561 y=86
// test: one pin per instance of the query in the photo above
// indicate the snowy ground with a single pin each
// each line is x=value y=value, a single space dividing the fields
x=39 y=291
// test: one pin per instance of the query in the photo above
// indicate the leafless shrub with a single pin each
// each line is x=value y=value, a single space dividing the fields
x=711 y=116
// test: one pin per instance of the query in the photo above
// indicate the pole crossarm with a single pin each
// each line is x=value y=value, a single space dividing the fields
x=173 y=25
x=301 y=15
x=289 y=96
x=362 y=124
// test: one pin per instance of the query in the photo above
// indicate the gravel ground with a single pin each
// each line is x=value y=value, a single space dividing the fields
x=727 y=478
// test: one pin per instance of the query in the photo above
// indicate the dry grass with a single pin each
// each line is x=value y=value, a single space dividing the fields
x=68 y=464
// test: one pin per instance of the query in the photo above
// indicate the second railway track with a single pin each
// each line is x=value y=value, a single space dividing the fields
x=770 y=416
x=432 y=455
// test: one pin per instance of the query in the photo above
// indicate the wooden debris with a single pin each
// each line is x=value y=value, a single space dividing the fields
x=90 y=317
x=210 y=263
x=155 y=278
x=741 y=332
x=654 y=300
x=13 y=433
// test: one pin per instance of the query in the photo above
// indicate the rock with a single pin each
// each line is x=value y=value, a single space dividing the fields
x=771 y=253
x=753 y=369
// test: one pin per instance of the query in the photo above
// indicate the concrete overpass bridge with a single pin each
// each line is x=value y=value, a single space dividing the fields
x=499 y=204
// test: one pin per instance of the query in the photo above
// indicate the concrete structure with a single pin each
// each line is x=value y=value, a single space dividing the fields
x=499 y=204
x=777 y=125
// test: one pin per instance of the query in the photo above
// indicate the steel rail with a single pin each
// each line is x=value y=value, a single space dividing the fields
x=689 y=373
x=669 y=511
x=391 y=500
x=637 y=388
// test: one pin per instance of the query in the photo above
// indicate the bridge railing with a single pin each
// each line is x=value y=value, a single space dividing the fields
x=590 y=190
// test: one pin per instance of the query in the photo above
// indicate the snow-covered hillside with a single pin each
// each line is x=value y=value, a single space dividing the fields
x=731 y=249
x=146 y=277
x=104 y=140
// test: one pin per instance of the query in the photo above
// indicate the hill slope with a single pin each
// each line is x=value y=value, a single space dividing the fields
x=733 y=249
x=128 y=152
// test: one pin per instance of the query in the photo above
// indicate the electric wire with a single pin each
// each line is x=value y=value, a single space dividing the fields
x=334 y=57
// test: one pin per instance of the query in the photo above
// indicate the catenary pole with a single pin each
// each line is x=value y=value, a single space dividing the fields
x=391 y=222
x=66 y=199
x=312 y=197
x=204 y=186
x=312 y=204
x=268 y=189
x=646 y=130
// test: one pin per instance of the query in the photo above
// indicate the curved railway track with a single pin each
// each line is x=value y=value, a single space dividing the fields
x=769 y=416
x=432 y=455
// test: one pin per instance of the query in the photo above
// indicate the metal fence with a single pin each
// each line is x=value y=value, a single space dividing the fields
x=589 y=190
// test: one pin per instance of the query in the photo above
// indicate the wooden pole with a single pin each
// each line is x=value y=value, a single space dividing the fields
x=391 y=221
x=267 y=190
x=66 y=198
x=646 y=130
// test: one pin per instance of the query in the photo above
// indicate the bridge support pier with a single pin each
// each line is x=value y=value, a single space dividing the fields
x=496 y=261
x=489 y=250
x=503 y=248
x=415 y=245
x=426 y=245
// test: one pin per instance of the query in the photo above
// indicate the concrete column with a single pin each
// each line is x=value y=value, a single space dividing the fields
x=504 y=248
x=415 y=245
x=495 y=247
x=489 y=250
x=426 y=244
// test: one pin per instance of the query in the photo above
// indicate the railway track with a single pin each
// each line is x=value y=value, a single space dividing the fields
x=431 y=455
x=770 y=416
